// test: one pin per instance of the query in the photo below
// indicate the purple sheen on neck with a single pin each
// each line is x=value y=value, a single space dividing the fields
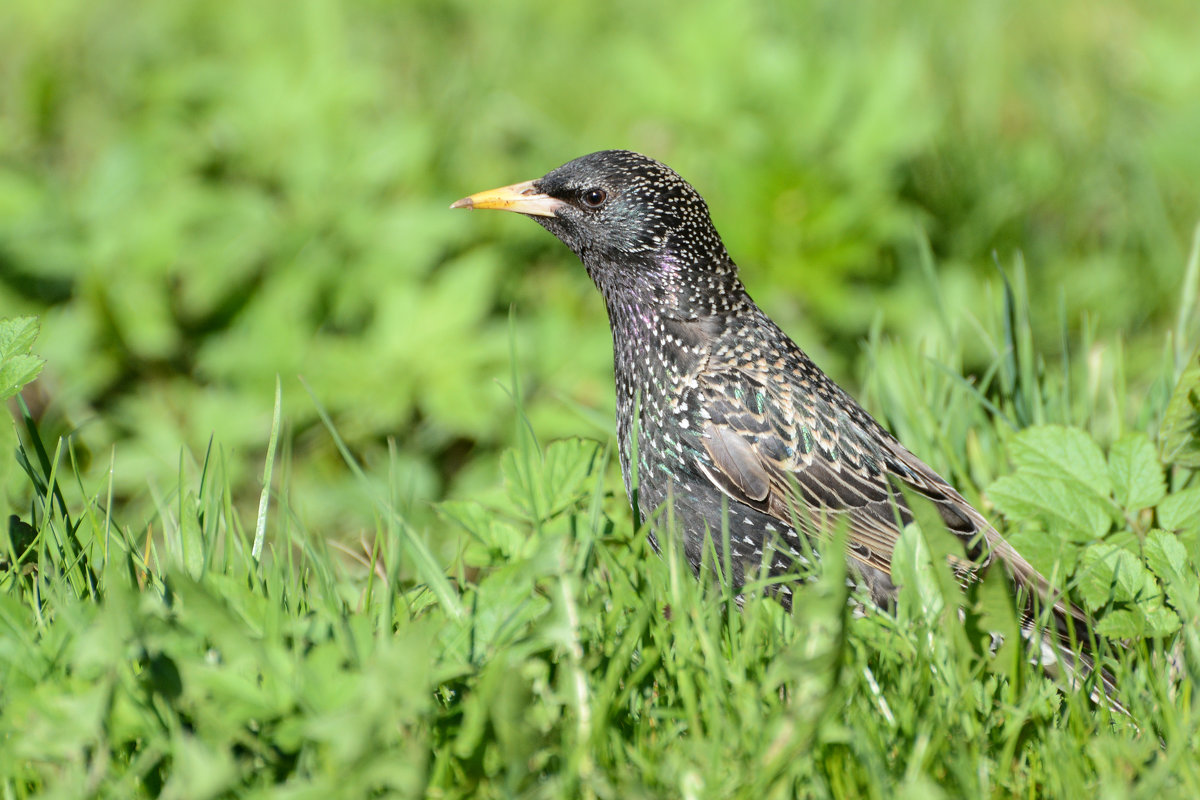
x=667 y=262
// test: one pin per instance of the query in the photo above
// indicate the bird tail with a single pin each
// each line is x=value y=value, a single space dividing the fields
x=1064 y=645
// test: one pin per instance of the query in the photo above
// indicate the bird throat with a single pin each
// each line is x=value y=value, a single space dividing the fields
x=665 y=318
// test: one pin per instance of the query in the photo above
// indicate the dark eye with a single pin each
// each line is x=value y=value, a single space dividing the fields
x=594 y=198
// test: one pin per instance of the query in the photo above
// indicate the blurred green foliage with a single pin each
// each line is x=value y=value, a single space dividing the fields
x=197 y=196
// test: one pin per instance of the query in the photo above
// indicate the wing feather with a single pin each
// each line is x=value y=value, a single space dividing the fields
x=817 y=460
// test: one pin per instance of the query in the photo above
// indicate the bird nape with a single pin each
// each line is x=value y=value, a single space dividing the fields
x=735 y=423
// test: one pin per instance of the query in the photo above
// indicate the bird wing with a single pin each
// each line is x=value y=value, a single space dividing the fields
x=797 y=447
x=804 y=452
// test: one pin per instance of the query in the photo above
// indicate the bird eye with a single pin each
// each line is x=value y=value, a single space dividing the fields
x=594 y=198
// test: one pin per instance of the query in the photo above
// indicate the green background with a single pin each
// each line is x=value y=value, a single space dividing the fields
x=198 y=196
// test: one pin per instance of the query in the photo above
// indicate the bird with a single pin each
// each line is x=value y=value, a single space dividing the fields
x=726 y=419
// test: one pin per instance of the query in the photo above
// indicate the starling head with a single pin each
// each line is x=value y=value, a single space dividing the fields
x=628 y=217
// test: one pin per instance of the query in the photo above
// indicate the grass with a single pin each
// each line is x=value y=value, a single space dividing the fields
x=400 y=574
x=557 y=656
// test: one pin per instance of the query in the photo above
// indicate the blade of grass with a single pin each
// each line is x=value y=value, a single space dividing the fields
x=1187 y=303
x=264 y=499
x=426 y=565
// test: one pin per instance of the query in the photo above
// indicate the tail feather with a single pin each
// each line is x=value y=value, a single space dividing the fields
x=1064 y=649
x=1059 y=634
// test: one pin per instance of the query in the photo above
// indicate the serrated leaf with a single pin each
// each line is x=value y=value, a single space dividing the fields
x=498 y=538
x=1161 y=621
x=545 y=483
x=1165 y=554
x=1061 y=479
x=1179 y=434
x=1066 y=454
x=17 y=366
x=1180 y=511
x=1138 y=623
x=1046 y=552
x=1168 y=558
x=471 y=516
x=17 y=335
x=1137 y=477
x=1061 y=506
x=1106 y=570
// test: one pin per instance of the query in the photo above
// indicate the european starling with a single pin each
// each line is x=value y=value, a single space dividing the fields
x=734 y=423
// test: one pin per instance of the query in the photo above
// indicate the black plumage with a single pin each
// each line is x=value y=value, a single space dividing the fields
x=733 y=420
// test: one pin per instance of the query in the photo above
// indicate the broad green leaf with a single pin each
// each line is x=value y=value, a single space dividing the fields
x=1061 y=479
x=17 y=366
x=1138 y=623
x=1162 y=620
x=474 y=518
x=17 y=335
x=996 y=614
x=1179 y=434
x=1137 y=476
x=497 y=537
x=1064 y=507
x=200 y=769
x=1167 y=556
x=1045 y=551
x=1106 y=570
x=544 y=483
x=941 y=546
x=1066 y=454
x=912 y=571
x=1181 y=511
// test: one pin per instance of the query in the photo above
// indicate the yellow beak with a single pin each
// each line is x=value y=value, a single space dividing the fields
x=520 y=197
